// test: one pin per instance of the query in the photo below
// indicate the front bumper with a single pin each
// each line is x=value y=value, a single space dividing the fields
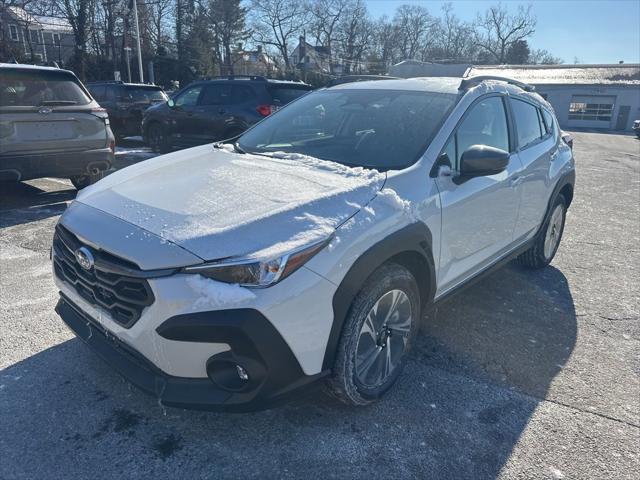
x=61 y=164
x=275 y=375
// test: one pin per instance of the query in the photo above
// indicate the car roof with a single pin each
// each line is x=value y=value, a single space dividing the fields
x=115 y=82
x=24 y=66
x=426 y=84
x=253 y=81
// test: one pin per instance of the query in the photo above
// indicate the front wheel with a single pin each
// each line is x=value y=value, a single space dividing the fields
x=547 y=242
x=157 y=139
x=378 y=332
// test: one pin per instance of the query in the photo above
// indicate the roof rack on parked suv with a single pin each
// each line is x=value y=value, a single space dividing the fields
x=471 y=82
x=104 y=81
x=358 y=78
x=258 y=78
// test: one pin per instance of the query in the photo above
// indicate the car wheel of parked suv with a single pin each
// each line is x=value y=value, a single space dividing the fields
x=546 y=245
x=157 y=139
x=378 y=332
x=81 y=181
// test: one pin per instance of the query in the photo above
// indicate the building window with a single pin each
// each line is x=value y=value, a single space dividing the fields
x=13 y=32
x=56 y=39
x=34 y=36
x=590 y=111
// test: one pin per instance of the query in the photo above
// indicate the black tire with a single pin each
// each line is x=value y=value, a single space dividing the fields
x=157 y=138
x=81 y=181
x=344 y=382
x=535 y=257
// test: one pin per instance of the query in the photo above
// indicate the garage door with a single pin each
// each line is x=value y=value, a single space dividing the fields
x=591 y=111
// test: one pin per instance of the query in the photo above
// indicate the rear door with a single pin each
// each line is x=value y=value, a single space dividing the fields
x=536 y=145
x=478 y=214
x=46 y=111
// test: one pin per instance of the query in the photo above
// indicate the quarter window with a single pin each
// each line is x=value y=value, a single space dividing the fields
x=548 y=120
x=527 y=122
x=485 y=124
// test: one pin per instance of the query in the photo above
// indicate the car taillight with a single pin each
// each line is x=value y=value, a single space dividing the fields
x=266 y=110
x=112 y=146
x=101 y=113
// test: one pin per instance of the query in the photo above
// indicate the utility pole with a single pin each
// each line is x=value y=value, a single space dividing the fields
x=127 y=50
x=135 y=17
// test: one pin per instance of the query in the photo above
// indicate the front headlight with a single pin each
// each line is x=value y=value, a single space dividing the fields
x=256 y=272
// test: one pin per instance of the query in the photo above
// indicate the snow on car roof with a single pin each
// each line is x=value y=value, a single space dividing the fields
x=427 y=84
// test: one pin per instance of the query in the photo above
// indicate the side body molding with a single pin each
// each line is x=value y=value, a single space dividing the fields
x=410 y=246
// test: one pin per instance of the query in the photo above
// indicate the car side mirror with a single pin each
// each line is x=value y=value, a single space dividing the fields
x=483 y=160
x=171 y=103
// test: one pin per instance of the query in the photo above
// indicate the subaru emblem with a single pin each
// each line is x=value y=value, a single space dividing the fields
x=84 y=258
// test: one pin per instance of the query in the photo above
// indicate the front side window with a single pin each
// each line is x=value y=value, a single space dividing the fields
x=382 y=129
x=527 y=122
x=145 y=94
x=189 y=97
x=216 y=95
x=485 y=124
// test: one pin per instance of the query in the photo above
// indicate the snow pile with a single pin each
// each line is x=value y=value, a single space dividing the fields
x=391 y=198
x=217 y=294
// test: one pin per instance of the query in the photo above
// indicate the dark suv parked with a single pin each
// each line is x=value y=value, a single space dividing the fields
x=125 y=103
x=211 y=110
x=51 y=127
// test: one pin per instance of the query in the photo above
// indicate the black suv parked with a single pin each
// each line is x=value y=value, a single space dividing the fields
x=125 y=103
x=211 y=110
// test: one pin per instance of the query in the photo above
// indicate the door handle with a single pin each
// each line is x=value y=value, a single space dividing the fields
x=515 y=181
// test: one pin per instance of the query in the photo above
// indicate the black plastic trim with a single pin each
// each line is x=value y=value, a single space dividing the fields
x=282 y=380
x=412 y=239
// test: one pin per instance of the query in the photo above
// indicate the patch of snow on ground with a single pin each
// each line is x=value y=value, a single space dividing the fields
x=217 y=294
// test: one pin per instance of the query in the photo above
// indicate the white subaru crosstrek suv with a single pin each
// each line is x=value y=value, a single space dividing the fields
x=231 y=276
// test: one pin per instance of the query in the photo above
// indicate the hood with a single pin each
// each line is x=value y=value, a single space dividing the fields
x=217 y=204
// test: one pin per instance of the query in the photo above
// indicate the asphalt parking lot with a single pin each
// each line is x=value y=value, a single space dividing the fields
x=524 y=375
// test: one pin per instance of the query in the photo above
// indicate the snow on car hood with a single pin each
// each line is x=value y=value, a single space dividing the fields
x=219 y=204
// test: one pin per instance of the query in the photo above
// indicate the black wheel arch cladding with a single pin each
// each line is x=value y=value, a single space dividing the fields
x=411 y=247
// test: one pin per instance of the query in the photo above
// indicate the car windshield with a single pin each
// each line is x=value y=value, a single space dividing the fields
x=382 y=129
x=145 y=94
x=33 y=89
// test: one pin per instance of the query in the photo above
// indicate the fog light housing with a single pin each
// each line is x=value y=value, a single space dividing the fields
x=228 y=375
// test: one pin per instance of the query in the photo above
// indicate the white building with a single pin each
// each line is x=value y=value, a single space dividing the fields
x=584 y=96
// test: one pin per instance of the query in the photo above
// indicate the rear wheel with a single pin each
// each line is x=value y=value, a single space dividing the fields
x=81 y=181
x=547 y=242
x=378 y=333
x=157 y=139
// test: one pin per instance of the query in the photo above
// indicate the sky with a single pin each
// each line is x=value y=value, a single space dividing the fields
x=604 y=31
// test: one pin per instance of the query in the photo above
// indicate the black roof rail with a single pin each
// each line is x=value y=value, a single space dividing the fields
x=471 y=82
x=259 y=78
x=104 y=81
x=358 y=78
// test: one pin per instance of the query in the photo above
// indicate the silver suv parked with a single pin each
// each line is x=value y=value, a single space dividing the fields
x=51 y=127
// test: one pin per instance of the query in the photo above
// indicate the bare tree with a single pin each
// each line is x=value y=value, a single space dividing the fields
x=497 y=30
x=540 y=56
x=355 y=33
x=412 y=23
x=278 y=23
x=326 y=16
x=453 y=39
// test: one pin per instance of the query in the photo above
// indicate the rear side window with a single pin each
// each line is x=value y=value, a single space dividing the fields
x=282 y=95
x=216 y=95
x=242 y=94
x=33 y=89
x=485 y=124
x=527 y=122
x=548 y=120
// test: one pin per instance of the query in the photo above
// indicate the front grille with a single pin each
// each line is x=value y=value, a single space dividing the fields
x=123 y=295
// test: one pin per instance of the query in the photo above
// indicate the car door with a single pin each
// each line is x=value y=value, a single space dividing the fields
x=536 y=145
x=479 y=213
x=210 y=114
x=182 y=116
